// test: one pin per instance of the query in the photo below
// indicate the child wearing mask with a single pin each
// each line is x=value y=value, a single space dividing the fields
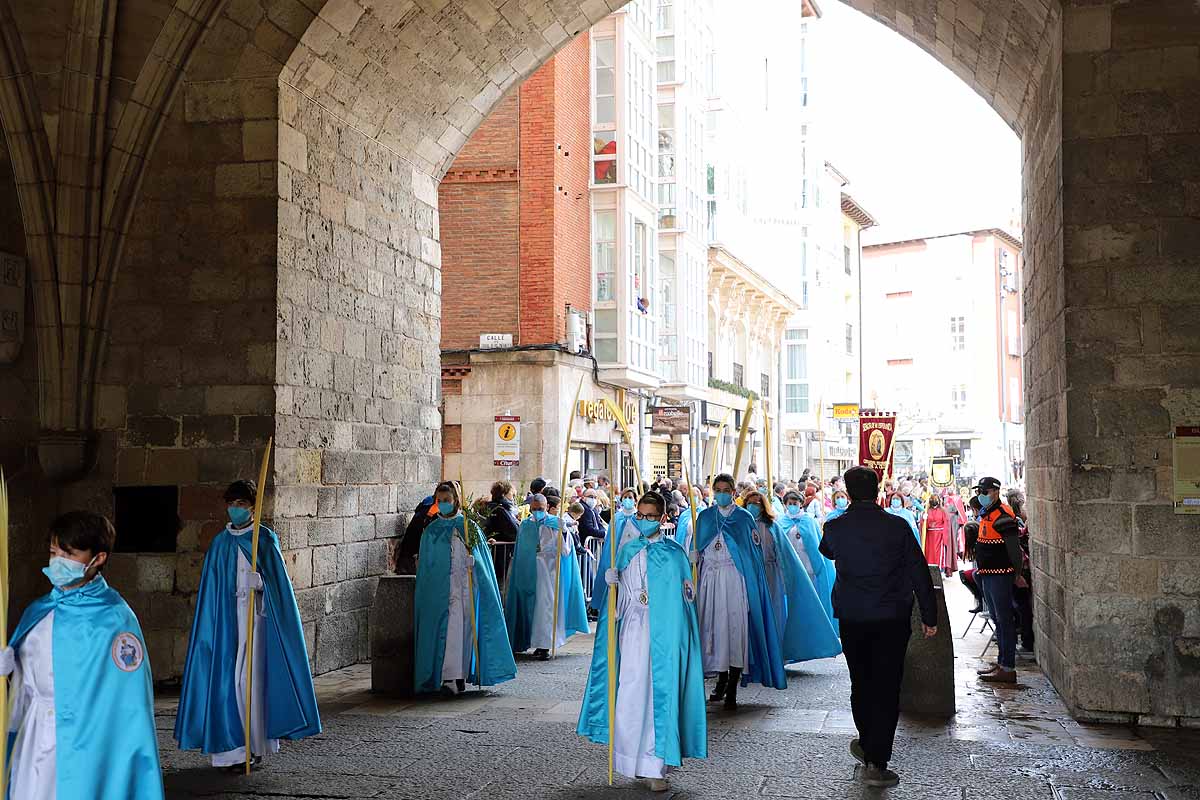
x=212 y=699
x=622 y=523
x=659 y=712
x=81 y=683
x=450 y=622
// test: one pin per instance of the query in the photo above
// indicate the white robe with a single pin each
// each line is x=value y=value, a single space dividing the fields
x=633 y=736
x=259 y=744
x=797 y=540
x=456 y=661
x=34 y=767
x=543 y=610
x=774 y=573
x=722 y=608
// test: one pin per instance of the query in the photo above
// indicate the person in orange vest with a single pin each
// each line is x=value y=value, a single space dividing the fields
x=998 y=571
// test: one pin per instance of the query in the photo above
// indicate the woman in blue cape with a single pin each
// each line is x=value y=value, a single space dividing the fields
x=895 y=507
x=804 y=535
x=739 y=637
x=660 y=715
x=81 y=684
x=529 y=605
x=450 y=623
x=623 y=513
x=212 y=698
x=804 y=629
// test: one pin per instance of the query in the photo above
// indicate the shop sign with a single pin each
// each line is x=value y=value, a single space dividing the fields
x=875 y=442
x=598 y=411
x=507 y=441
x=1186 y=465
x=671 y=419
x=674 y=461
x=845 y=410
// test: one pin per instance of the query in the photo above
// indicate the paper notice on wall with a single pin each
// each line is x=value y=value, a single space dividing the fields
x=1186 y=461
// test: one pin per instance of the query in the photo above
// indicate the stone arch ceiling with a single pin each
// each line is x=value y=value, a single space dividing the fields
x=419 y=75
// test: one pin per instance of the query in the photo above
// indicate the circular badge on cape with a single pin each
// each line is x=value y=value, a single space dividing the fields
x=127 y=652
x=757 y=539
x=689 y=591
x=798 y=536
x=643 y=598
x=717 y=545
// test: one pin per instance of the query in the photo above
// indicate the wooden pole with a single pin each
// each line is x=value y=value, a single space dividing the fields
x=4 y=765
x=258 y=510
x=619 y=416
x=712 y=467
x=562 y=508
x=692 y=508
x=462 y=506
x=767 y=449
x=741 y=445
x=821 y=452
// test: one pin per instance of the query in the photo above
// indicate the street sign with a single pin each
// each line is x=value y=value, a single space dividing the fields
x=495 y=341
x=671 y=419
x=507 y=441
x=845 y=410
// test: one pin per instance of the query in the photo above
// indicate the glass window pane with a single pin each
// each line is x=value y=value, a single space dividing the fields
x=606 y=110
x=606 y=81
x=666 y=71
x=606 y=53
x=606 y=226
x=606 y=351
x=666 y=47
x=605 y=171
x=604 y=143
x=666 y=116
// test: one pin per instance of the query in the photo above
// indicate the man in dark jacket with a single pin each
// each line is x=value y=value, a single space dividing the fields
x=880 y=567
x=410 y=544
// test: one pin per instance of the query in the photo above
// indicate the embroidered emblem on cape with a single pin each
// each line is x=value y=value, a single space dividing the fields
x=757 y=539
x=642 y=598
x=689 y=591
x=717 y=545
x=127 y=652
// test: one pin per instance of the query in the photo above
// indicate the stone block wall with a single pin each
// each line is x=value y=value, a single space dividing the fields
x=357 y=425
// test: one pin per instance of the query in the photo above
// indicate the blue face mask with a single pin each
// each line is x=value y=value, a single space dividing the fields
x=724 y=499
x=794 y=510
x=627 y=503
x=897 y=503
x=445 y=508
x=755 y=509
x=985 y=500
x=647 y=527
x=538 y=515
x=841 y=502
x=240 y=516
x=63 y=571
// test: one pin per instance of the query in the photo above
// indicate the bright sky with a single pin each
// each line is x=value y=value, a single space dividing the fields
x=924 y=153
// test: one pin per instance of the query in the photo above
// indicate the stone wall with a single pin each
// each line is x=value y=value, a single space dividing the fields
x=357 y=425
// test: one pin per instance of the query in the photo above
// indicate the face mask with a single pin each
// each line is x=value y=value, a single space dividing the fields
x=647 y=527
x=794 y=510
x=239 y=515
x=754 y=508
x=63 y=571
x=590 y=502
x=445 y=508
x=724 y=499
x=896 y=503
x=841 y=502
x=627 y=503
x=539 y=515
x=985 y=500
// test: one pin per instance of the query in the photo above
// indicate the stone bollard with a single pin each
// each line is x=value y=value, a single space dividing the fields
x=928 y=686
x=392 y=635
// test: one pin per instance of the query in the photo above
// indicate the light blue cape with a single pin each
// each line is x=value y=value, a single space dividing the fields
x=676 y=670
x=823 y=570
x=599 y=587
x=495 y=664
x=907 y=516
x=208 y=716
x=105 y=744
x=765 y=647
x=521 y=599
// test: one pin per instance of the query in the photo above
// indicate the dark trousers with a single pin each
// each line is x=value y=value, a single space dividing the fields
x=875 y=655
x=1024 y=600
x=998 y=589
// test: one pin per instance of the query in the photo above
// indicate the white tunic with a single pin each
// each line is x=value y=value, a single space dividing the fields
x=260 y=745
x=797 y=540
x=456 y=661
x=543 y=610
x=33 y=756
x=722 y=608
x=775 y=583
x=633 y=736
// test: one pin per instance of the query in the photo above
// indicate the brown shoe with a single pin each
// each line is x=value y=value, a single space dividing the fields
x=988 y=670
x=1001 y=675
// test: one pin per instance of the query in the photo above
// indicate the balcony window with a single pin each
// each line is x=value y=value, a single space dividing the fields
x=739 y=375
x=796 y=371
x=958 y=334
x=666 y=140
x=766 y=385
x=849 y=268
x=604 y=253
x=666 y=205
x=666 y=16
x=605 y=73
x=849 y=339
x=604 y=157
x=666 y=59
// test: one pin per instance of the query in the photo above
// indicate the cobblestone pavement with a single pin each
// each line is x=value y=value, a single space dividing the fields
x=518 y=741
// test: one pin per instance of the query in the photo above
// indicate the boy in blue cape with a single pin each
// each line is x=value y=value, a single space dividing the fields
x=212 y=699
x=660 y=717
x=739 y=635
x=529 y=605
x=622 y=517
x=450 y=622
x=81 y=683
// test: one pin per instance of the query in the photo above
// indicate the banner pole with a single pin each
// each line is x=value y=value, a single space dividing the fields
x=741 y=445
x=562 y=508
x=258 y=510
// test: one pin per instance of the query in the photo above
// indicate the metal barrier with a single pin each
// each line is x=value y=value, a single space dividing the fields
x=502 y=556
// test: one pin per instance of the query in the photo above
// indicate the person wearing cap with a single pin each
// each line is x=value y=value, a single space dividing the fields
x=998 y=570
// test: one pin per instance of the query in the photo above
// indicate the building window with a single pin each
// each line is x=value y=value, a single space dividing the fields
x=958 y=397
x=666 y=16
x=666 y=140
x=666 y=59
x=766 y=385
x=849 y=339
x=711 y=372
x=849 y=267
x=604 y=157
x=739 y=375
x=604 y=253
x=796 y=372
x=641 y=268
x=958 y=334
x=1014 y=399
x=804 y=92
x=666 y=205
x=904 y=456
x=604 y=137
x=666 y=263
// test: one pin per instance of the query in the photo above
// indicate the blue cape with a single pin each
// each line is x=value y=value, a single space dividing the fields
x=907 y=516
x=766 y=651
x=834 y=513
x=521 y=599
x=823 y=570
x=208 y=716
x=599 y=587
x=677 y=673
x=495 y=664
x=105 y=744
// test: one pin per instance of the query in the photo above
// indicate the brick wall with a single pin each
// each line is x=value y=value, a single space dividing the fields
x=572 y=199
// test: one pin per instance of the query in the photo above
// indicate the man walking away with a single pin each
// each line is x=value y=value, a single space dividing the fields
x=998 y=561
x=879 y=568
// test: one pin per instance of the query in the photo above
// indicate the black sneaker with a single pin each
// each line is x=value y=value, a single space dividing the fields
x=857 y=751
x=880 y=777
x=541 y=655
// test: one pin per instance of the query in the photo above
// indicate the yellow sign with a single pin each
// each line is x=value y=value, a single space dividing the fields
x=845 y=410
x=507 y=432
x=598 y=411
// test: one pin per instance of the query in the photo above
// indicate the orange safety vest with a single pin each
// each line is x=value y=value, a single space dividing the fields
x=987 y=525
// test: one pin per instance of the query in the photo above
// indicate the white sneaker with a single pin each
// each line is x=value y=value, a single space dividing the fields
x=658 y=784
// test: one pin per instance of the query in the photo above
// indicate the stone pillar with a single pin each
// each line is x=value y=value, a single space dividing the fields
x=928 y=686
x=392 y=635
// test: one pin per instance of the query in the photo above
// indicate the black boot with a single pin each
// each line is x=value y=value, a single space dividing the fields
x=735 y=677
x=719 y=692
